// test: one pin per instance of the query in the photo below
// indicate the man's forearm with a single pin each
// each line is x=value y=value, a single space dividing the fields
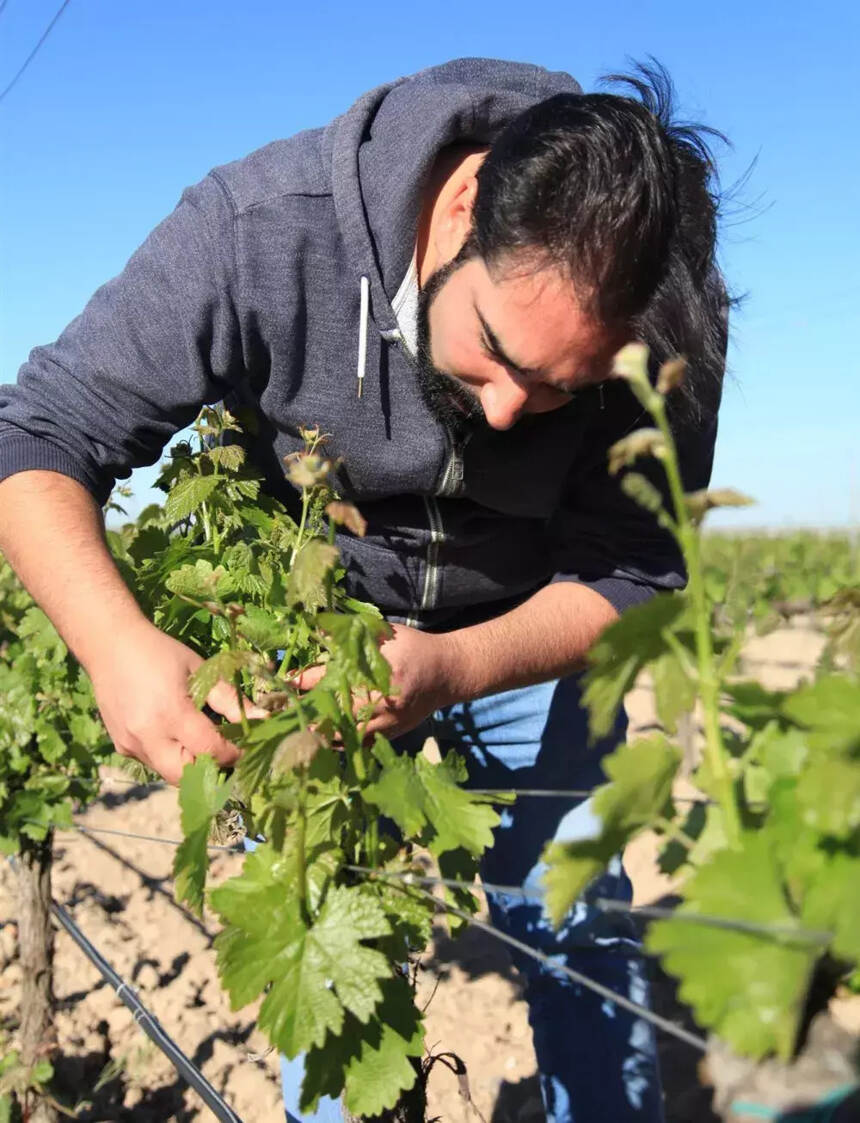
x=546 y=637
x=52 y=533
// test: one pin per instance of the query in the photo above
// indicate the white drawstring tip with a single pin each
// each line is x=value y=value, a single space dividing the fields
x=362 y=332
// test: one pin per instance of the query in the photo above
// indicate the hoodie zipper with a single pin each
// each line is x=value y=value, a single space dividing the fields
x=450 y=484
x=452 y=477
x=437 y=536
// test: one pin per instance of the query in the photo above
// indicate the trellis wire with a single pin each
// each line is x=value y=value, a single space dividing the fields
x=607 y=904
x=234 y=849
x=569 y=793
x=783 y=932
x=547 y=961
x=777 y=931
x=153 y=784
x=583 y=980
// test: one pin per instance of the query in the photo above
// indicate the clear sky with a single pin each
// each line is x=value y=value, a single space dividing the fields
x=128 y=102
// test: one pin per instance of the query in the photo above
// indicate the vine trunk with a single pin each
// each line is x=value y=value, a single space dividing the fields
x=36 y=1036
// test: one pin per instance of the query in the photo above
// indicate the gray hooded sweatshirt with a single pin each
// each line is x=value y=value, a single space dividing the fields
x=270 y=287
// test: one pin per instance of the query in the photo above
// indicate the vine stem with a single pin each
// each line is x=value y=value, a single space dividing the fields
x=329 y=577
x=237 y=678
x=301 y=830
x=288 y=654
x=240 y=698
x=673 y=831
x=302 y=522
x=709 y=681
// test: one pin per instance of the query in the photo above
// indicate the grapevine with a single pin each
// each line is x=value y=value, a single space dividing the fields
x=330 y=906
x=778 y=843
x=227 y=570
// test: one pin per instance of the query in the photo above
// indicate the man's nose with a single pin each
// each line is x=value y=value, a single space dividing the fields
x=503 y=403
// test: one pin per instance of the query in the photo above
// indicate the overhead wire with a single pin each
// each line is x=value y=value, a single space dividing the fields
x=35 y=50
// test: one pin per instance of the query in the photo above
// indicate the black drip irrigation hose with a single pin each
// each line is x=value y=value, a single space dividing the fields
x=148 y=1022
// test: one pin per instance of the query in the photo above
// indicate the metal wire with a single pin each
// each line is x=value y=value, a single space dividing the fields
x=782 y=932
x=235 y=849
x=777 y=931
x=569 y=793
x=144 y=1017
x=35 y=50
x=148 y=1022
x=153 y=784
x=576 y=976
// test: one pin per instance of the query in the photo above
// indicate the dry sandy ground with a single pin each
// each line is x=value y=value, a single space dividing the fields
x=119 y=892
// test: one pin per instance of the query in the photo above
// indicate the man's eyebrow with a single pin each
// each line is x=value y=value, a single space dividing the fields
x=499 y=351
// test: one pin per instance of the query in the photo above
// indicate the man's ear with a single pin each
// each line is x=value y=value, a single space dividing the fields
x=455 y=222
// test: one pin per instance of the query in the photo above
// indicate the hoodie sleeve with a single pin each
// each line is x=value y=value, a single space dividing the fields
x=151 y=347
x=603 y=539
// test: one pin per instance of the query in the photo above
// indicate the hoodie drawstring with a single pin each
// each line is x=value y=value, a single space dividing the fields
x=362 y=332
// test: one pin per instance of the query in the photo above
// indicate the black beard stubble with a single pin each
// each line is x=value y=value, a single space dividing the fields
x=455 y=407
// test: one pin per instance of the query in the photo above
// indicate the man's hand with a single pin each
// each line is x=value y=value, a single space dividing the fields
x=143 y=697
x=422 y=673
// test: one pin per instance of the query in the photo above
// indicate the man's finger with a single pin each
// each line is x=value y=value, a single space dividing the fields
x=224 y=700
x=168 y=759
x=199 y=735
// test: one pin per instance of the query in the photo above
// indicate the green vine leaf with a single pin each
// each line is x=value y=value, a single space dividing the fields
x=189 y=495
x=296 y=751
x=354 y=642
x=622 y=650
x=311 y=566
x=829 y=795
x=829 y=710
x=231 y=457
x=315 y=973
x=641 y=775
x=371 y=1064
x=220 y=668
x=675 y=691
x=259 y=748
x=262 y=629
x=201 y=580
x=424 y=797
x=753 y=704
x=203 y=792
x=745 y=987
x=42 y=638
x=832 y=903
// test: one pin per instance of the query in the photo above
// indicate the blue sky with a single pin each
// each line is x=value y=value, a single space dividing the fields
x=129 y=102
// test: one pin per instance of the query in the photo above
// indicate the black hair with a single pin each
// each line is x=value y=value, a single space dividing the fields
x=624 y=201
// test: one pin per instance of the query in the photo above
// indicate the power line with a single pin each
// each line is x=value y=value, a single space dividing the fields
x=36 y=49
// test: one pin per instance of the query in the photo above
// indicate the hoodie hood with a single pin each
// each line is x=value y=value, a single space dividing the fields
x=381 y=159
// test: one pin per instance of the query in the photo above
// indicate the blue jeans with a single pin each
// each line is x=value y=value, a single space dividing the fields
x=597 y=1062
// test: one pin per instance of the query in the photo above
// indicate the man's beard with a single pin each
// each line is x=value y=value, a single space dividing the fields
x=450 y=402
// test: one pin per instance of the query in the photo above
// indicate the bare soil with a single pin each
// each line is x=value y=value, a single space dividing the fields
x=119 y=891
